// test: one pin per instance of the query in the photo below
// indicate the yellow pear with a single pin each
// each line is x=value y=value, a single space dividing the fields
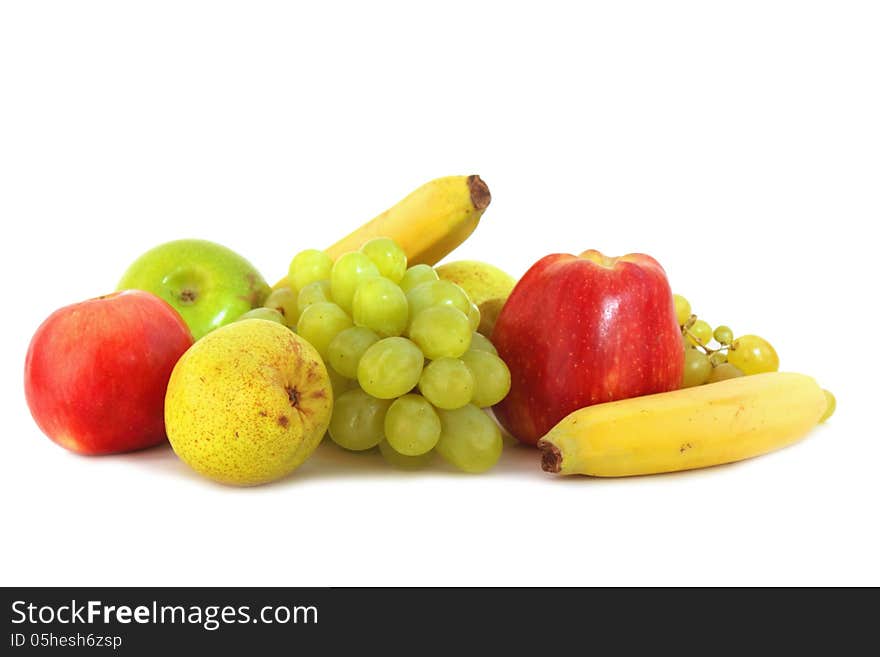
x=248 y=403
x=486 y=285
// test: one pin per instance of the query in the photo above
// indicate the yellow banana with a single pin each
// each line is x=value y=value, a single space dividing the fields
x=428 y=224
x=691 y=428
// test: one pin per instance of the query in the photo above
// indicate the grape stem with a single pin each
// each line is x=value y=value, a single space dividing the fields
x=685 y=331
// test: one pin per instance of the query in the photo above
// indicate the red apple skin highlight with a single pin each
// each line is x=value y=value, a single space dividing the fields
x=583 y=330
x=96 y=372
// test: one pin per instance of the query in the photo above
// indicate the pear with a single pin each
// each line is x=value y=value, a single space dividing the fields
x=248 y=403
x=487 y=286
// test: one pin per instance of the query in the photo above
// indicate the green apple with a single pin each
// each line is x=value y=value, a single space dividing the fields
x=208 y=284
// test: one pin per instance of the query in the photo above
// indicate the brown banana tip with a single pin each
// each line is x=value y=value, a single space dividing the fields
x=551 y=457
x=480 y=195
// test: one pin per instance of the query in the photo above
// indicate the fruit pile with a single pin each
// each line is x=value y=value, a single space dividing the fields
x=409 y=370
x=590 y=358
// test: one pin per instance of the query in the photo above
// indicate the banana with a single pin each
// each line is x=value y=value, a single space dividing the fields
x=685 y=429
x=428 y=224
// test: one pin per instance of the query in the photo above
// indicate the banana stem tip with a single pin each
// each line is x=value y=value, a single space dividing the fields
x=551 y=457
x=480 y=195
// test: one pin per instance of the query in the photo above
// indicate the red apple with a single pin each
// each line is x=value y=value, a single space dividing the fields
x=96 y=372
x=581 y=330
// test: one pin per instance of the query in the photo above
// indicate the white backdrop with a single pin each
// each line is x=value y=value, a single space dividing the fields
x=736 y=143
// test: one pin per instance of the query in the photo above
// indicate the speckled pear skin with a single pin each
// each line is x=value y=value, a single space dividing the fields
x=486 y=285
x=248 y=403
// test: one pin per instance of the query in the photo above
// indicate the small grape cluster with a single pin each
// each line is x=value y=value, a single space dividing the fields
x=729 y=357
x=409 y=371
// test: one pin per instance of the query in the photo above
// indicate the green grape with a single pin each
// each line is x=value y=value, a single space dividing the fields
x=447 y=383
x=320 y=323
x=830 y=406
x=717 y=358
x=491 y=377
x=723 y=372
x=441 y=332
x=723 y=335
x=308 y=267
x=469 y=439
x=387 y=255
x=263 y=313
x=313 y=293
x=358 y=420
x=697 y=368
x=379 y=304
x=390 y=368
x=480 y=342
x=474 y=317
x=753 y=355
x=346 y=348
x=403 y=462
x=437 y=293
x=338 y=382
x=682 y=309
x=700 y=333
x=349 y=271
x=411 y=426
x=416 y=275
x=284 y=301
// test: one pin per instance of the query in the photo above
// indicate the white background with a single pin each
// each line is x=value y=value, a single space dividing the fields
x=738 y=143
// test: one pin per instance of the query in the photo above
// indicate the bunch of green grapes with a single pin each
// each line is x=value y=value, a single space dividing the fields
x=716 y=354
x=409 y=371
